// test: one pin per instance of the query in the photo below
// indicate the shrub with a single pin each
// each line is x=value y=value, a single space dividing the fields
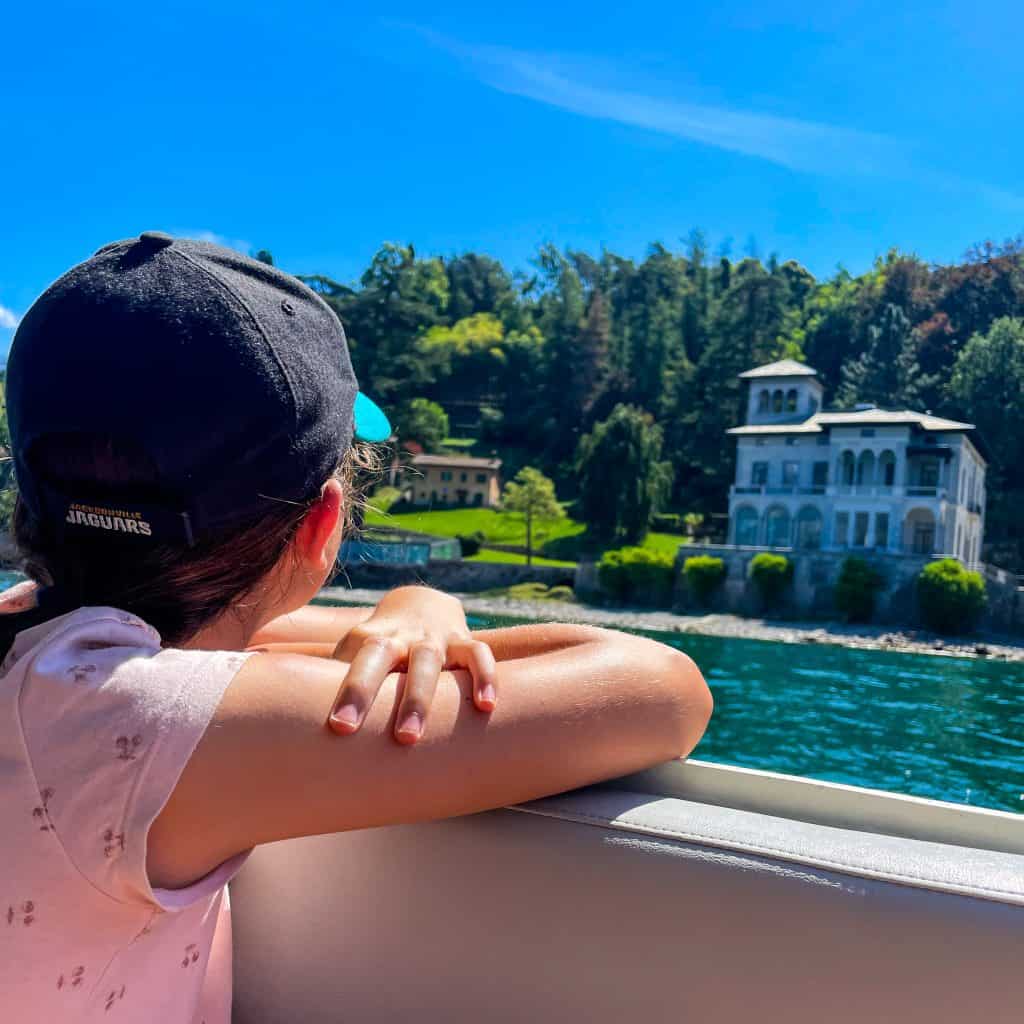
x=771 y=575
x=703 y=575
x=951 y=598
x=470 y=542
x=637 y=574
x=856 y=587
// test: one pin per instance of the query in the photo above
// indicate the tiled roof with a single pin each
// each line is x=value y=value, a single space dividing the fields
x=854 y=418
x=783 y=368
x=456 y=462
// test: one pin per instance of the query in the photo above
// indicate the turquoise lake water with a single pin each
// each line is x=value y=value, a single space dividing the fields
x=945 y=728
x=938 y=727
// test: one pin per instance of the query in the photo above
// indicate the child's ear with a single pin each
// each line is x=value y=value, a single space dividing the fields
x=316 y=533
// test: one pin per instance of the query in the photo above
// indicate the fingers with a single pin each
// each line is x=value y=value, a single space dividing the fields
x=476 y=656
x=353 y=641
x=372 y=663
x=425 y=664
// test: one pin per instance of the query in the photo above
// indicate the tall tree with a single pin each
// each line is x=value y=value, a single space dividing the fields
x=399 y=296
x=623 y=480
x=479 y=284
x=422 y=421
x=886 y=373
x=986 y=386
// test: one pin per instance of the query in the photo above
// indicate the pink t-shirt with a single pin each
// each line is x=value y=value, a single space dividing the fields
x=97 y=722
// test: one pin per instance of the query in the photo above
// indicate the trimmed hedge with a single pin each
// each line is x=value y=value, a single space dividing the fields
x=950 y=597
x=703 y=575
x=856 y=587
x=637 y=575
x=771 y=575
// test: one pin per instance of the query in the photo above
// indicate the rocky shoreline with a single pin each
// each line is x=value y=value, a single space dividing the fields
x=863 y=637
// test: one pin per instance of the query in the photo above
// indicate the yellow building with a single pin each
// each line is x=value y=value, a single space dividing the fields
x=453 y=480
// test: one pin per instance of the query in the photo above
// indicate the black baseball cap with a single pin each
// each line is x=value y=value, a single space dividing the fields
x=231 y=377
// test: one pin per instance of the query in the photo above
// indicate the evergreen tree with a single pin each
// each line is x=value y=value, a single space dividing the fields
x=886 y=373
x=986 y=386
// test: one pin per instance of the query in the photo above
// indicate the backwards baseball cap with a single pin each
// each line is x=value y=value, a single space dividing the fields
x=232 y=378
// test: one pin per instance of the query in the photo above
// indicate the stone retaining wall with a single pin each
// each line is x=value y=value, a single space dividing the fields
x=811 y=595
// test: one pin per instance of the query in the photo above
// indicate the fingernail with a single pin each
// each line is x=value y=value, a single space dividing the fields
x=347 y=714
x=487 y=694
x=412 y=725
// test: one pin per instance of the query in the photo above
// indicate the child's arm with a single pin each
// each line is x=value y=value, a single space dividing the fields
x=412 y=629
x=595 y=704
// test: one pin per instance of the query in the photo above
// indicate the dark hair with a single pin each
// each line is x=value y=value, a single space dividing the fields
x=176 y=589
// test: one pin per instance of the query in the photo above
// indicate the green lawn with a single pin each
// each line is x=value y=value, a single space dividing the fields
x=497 y=527
x=667 y=543
x=490 y=555
x=562 y=542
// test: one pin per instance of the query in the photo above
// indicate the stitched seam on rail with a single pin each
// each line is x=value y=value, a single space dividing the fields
x=591 y=819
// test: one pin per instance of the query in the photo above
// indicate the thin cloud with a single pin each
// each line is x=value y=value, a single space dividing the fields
x=8 y=320
x=580 y=86
x=800 y=145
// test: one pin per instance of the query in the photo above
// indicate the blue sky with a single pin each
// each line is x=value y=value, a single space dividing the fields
x=825 y=133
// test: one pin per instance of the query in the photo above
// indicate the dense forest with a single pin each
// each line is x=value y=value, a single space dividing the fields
x=528 y=363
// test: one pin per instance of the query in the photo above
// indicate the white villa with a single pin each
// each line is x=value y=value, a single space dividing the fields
x=866 y=479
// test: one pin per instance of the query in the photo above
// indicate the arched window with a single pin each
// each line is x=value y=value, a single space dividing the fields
x=791 y=400
x=866 y=469
x=846 y=468
x=746 y=526
x=808 y=528
x=887 y=468
x=777 y=400
x=764 y=401
x=777 y=527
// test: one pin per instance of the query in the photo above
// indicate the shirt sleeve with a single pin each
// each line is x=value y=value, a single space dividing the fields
x=110 y=719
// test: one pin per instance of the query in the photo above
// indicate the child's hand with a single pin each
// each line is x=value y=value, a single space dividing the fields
x=420 y=632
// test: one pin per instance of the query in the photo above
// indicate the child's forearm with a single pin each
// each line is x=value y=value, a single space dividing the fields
x=536 y=638
x=506 y=644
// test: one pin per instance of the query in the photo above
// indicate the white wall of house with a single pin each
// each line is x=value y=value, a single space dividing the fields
x=888 y=487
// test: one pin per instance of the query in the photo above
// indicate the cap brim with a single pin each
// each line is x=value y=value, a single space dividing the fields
x=371 y=423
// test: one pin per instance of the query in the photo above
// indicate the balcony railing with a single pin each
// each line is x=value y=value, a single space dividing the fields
x=847 y=491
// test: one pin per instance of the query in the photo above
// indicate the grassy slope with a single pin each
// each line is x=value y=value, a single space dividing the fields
x=489 y=555
x=561 y=538
x=496 y=527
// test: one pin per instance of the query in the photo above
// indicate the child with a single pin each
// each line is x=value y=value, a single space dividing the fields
x=186 y=430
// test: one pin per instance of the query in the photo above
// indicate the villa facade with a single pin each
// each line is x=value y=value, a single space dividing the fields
x=453 y=480
x=865 y=479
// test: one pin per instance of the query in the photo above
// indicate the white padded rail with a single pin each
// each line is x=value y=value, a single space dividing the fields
x=613 y=905
x=829 y=803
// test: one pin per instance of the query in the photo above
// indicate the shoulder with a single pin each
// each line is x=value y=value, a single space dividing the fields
x=109 y=720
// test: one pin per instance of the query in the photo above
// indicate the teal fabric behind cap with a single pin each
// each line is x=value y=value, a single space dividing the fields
x=371 y=423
